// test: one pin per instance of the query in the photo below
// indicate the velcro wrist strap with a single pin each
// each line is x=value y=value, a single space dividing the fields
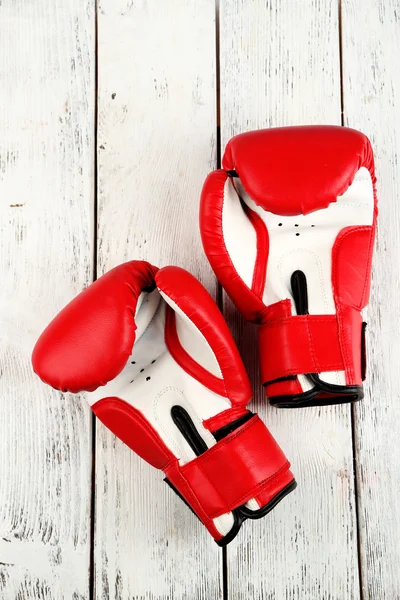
x=298 y=345
x=230 y=473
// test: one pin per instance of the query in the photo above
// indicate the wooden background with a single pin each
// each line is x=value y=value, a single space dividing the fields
x=111 y=115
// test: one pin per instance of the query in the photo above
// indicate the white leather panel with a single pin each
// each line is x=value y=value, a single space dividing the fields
x=153 y=383
x=146 y=308
x=149 y=345
x=239 y=234
x=193 y=340
x=224 y=523
x=305 y=242
x=252 y=504
x=155 y=387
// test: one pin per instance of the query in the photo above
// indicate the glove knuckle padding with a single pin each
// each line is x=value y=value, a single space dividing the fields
x=165 y=376
x=68 y=354
x=297 y=200
x=297 y=170
x=221 y=218
x=194 y=307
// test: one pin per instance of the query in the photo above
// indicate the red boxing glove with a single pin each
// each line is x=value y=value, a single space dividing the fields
x=166 y=377
x=288 y=226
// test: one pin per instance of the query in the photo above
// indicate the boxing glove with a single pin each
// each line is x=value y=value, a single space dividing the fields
x=288 y=226
x=165 y=376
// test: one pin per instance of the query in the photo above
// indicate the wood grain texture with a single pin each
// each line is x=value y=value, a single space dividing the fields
x=280 y=65
x=371 y=85
x=156 y=143
x=46 y=206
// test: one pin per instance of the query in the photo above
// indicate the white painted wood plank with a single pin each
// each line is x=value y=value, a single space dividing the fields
x=156 y=145
x=46 y=206
x=371 y=33
x=280 y=66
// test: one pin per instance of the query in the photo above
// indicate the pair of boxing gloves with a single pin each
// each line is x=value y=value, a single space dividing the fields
x=288 y=226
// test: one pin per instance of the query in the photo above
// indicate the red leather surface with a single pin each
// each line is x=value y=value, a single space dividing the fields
x=194 y=300
x=184 y=360
x=350 y=332
x=296 y=170
x=274 y=486
x=211 y=204
x=246 y=464
x=181 y=484
x=260 y=267
x=239 y=467
x=289 y=171
x=135 y=431
x=130 y=426
x=88 y=344
x=289 y=387
x=90 y=340
x=351 y=266
x=351 y=280
x=224 y=418
x=299 y=344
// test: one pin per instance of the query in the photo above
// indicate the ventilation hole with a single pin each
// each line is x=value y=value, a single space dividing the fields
x=297 y=234
x=153 y=361
x=279 y=224
x=148 y=378
x=132 y=380
x=296 y=225
x=133 y=362
x=312 y=225
x=141 y=370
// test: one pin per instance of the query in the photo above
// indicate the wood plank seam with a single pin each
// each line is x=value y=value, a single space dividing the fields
x=280 y=66
x=92 y=581
x=219 y=292
x=352 y=412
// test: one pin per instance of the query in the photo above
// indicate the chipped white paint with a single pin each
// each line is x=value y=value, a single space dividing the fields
x=371 y=86
x=156 y=143
x=46 y=195
x=280 y=66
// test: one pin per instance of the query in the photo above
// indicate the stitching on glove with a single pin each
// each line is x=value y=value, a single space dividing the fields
x=195 y=502
x=252 y=423
x=328 y=367
x=369 y=263
x=344 y=347
x=335 y=261
x=262 y=486
x=193 y=415
x=319 y=268
x=314 y=359
x=300 y=319
x=137 y=415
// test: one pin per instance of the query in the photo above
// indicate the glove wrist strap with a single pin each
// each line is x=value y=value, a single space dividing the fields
x=238 y=468
x=297 y=345
x=311 y=345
